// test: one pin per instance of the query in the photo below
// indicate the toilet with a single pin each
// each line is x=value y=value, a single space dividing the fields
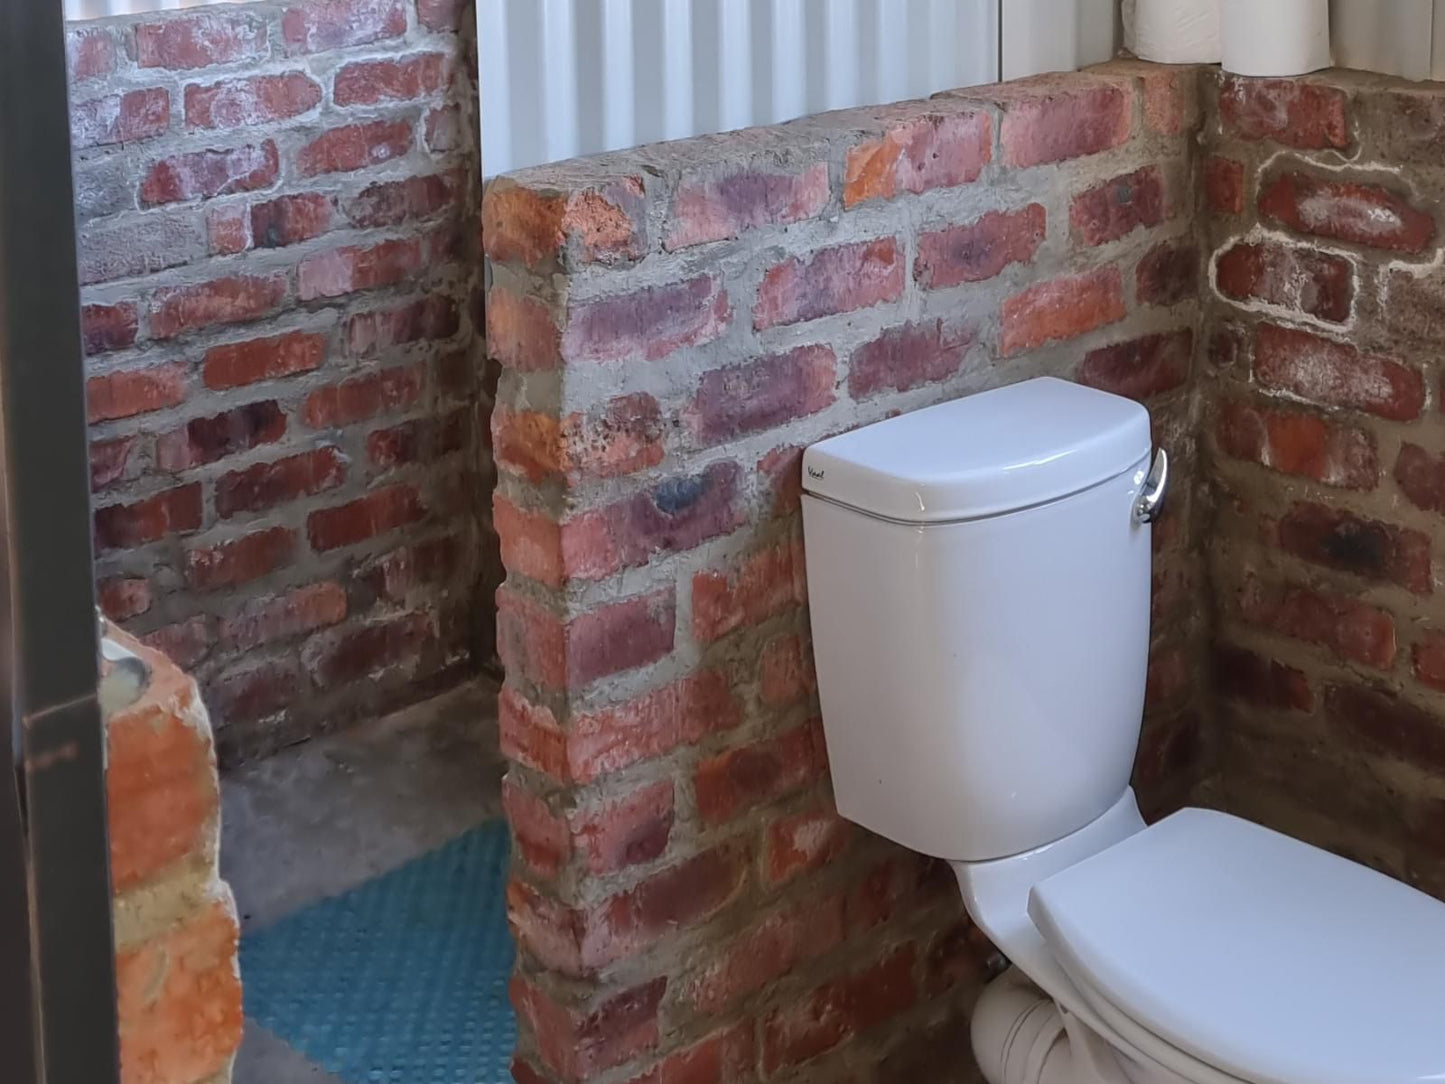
x=979 y=583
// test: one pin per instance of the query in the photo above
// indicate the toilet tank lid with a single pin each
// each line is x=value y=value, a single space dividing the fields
x=997 y=451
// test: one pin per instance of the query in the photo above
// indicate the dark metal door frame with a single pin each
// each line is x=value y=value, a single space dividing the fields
x=57 y=981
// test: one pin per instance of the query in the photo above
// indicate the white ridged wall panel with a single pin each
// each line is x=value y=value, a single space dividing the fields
x=561 y=78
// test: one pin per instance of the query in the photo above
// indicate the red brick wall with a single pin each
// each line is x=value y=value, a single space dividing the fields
x=1322 y=419
x=277 y=250
x=674 y=324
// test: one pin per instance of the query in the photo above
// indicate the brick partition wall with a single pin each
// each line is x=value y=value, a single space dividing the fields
x=278 y=257
x=675 y=323
x=175 y=921
x=1322 y=404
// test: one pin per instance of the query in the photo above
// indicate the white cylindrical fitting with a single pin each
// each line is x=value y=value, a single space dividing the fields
x=1173 y=31
x=1277 y=37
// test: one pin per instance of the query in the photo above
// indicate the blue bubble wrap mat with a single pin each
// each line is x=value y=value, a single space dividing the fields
x=402 y=980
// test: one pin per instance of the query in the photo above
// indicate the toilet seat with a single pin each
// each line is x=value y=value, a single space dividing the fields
x=1260 y=956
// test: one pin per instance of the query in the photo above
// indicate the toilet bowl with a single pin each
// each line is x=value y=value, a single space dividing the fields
x=979 y=589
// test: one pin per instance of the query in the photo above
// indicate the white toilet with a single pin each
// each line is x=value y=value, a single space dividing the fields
x=979 y=581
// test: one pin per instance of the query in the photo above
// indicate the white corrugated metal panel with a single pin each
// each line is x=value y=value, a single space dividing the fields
x=99 y=9
x=561 y=78
x=1057 y=35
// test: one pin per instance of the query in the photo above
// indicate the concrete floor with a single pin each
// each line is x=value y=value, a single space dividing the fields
x=326 y=816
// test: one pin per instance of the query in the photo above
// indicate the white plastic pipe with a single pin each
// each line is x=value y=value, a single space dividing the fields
x=1279 y=38
x=1173 y=31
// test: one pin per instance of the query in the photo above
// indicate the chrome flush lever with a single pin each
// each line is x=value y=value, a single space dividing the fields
x=1151 y=498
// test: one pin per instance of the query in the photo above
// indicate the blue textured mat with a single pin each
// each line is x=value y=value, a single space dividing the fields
x=402 y=980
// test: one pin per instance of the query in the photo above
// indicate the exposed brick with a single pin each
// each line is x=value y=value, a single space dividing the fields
x=980 y=250
x=186 y=643
x=271 y=618
x=289 y=220
x=130 y=246
x=649 y=323
x=428 y=318
x=766 y=951
x=762 y=394
x=444 y=129
x=917 y=155
x=679 y=714
x=368 y=82
x=378 y=512
x=254 y=690
x=1368 y=548
x=108 y=327
x=1421 y=477
x=1116 y=208
x=228 y=229
x=90 y=52
x=626 y=831
x=397 y=574
x=346 y=270
x=357 y=146
x=1413 y=305
x=782 y=473
x=1230 y=347
x=1224 y=184
x=907 y=357
x=1140 y=368
x=363 y=397
x=1298 y=443
x=601 y=224
x=1307 y=281
x=521 y=333
x=838 y=1010
x=529 y=734
x=1298 y=114
x=1171 y=99
x=785 y=671
x=1427 y=659
x=123 y=597
x=1336 y=374
x=125 y=526
x=201 y=40
x=257 y=99
x=120 y=118
x=622 y=436
x=1061 y=309
x=804 y=841
x=441 y=15
x=1168 y=274
x=834 y=280
x=725 y=1057
x=205 y=440
x=175 y=310
x=1055 y=124
x=752 y=775
x=350 y=654
x=319 y=25
x=1351 y=630
x=235 y=365
x=543 y=840
x=421 y=440
x=764 y=584
x=1266 y=683
x=128 y=392
x=720 y=208
x=576 y=1043
x=390 y=203
x=1388 y=724
x=239 y=560
x=210 y=173
x=108 y=461
x=1362 y=214
x=1169 y=676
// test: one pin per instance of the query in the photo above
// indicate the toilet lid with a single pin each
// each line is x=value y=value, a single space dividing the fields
x=1265 y=957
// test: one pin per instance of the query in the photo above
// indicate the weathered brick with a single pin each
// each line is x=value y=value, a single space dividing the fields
x=441 y=16
x=1297 y=443
x=1388 y=724
x=762 y=394
x=257 y=99
x=271 y=618
x=1298 y=114
x=763 y=584
x=128 y=392
x=1117 y=207
x=396 y=575
x=1427 y=659
x=346 y=655
x=390 y=203
x=363 y=397
x=1061 y=309
x=785 y=671
x=186 y=643
x=725 y=1057
x=421 y=440
x=235 y=365
x=1421 y=477
x=1413 y=305
x=1140 y=368
x=201 y=40
x=346 y=270
x=239 y=560
x=378 y=512
x=921 y=153
x=210 y=173
x=1336 y=374
x=368 y=82
x=90 y=52
x=781 y=471
x=428 y=318
x=1231 y=346
x=1171 y=99
x=722 y=207
x=175 y=310
x=1266 y=683
x=1168 y=274
x=108 y=327
x=542 y=838
x=444 y=129
x=205 y=440
x=980 y=250
x=652 y=725
x=254 y=690
x=649 y=323
x=803 y=842
x=130 y=245
x=120 y=118
x=765 y=951
x=834 y=280
x=907 y=357
x=319 y=25
x=627 y=831
x=521 y=333
x=125 y=526
x=601 y=224
x=740 y=779
x=1307 y=281
x=1053 y=124
x=123 y=597
x=289 y=220
x=579 y=1043
x=1224 y=184
x=356 y=146
x=1338 y=539
x=1362 y=214
x=1350 y=629
x=620 y=437
x=228 y=229
x=108 y=461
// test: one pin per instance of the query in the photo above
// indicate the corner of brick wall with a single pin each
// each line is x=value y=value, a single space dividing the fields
x=281 y=304
x=674 y=324
x=175 y=920
x=1321 y=397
